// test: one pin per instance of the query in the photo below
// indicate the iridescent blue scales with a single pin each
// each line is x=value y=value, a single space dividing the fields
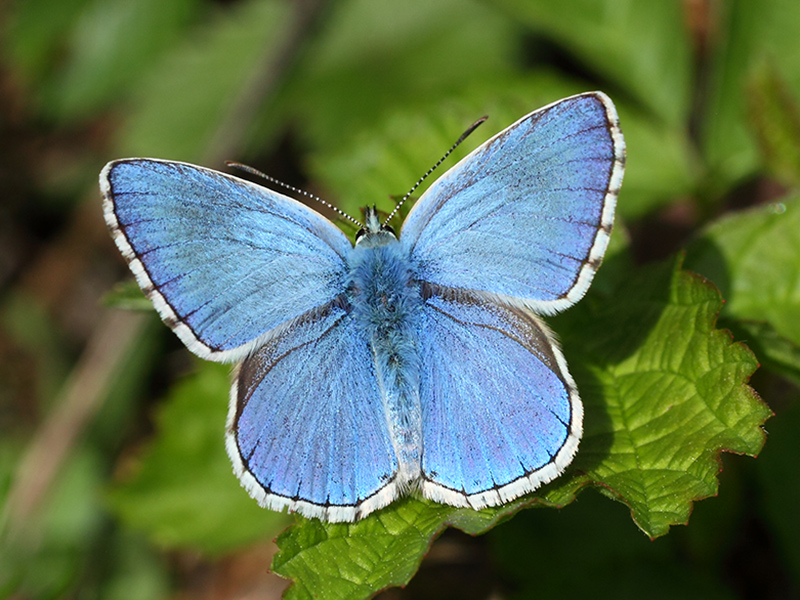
x=410 y=364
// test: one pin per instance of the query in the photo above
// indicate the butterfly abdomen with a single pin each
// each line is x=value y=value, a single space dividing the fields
x=386 y=303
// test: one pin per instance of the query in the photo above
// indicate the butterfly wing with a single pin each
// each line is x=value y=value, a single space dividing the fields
x=527 y=215
x=304 y=433
x=223 y=260
x=500 y=412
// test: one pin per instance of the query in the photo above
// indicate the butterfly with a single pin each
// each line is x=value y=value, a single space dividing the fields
x=401 y=364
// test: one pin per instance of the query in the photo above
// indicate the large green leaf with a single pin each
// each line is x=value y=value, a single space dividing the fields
x=354 y=560
x=664 y=391
x=183 y=492
x=665 y=394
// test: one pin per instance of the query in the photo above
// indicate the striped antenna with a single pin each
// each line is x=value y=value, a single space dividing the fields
x=464 y=135
x=278 y=182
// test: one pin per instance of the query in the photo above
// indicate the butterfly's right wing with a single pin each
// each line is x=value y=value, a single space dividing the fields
x=306 y=427
x=527 y=215
x=223 y=260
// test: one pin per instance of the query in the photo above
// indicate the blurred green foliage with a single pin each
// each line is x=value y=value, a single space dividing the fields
x=354 y=100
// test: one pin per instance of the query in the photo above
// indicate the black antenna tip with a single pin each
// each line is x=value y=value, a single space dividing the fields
x=479 y=121
x=472 y=128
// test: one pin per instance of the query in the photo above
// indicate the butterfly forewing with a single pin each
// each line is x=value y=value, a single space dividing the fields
x=527 y=215
x=223 y=260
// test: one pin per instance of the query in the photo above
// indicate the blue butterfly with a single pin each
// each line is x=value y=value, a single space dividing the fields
x=410 y=364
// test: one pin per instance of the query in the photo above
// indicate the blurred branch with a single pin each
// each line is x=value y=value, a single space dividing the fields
x=272 y=72
x=77 y=403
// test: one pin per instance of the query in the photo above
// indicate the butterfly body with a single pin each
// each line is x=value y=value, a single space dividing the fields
x=386 y=303
x=410 y=363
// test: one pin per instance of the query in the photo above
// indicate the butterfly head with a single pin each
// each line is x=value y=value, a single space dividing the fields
x=374 y=233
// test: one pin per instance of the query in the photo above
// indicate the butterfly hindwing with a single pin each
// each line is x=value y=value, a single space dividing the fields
x=527 y=215
x=500 y=412
x=306 y=428
x=223 y=260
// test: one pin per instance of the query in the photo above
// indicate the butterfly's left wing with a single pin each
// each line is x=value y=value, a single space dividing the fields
x=225 y=262
x=306 y=427
x=527 y=215
x=500 y=412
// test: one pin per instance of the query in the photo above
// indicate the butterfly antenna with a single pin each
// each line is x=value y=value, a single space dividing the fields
x=257 y=173
x=464 y=136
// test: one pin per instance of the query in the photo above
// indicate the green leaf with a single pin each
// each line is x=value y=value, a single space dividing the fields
x=664 y=393
x=752 y=34
x=180 y=106
x=183 y=493
x=112 y=45
x=127 y=295
x=643 y=46
x=376 y=56
x=775 y=115
x=754 y=258
x=355 y=560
